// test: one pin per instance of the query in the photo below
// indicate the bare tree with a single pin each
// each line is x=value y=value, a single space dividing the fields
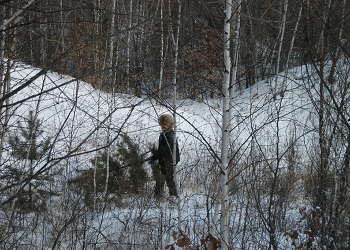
x=284 y=9
x=224 y=226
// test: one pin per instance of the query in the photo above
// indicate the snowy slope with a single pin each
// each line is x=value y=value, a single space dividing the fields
x=81 y=119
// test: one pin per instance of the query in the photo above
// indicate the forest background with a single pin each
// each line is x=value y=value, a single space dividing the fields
x=151 y=52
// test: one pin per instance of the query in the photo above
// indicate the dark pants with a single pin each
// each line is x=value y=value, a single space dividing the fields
x=166 y=175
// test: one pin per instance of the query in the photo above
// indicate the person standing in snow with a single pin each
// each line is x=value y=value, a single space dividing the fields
x=164 y=156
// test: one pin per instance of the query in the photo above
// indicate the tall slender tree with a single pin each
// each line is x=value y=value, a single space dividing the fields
x=225 y=137
x=281 y=34
x=175 y=45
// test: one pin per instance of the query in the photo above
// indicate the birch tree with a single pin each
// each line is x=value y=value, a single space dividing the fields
x=225 y=139
x=128 y=48
x=237 y=27
x=162 y=49
x=282 y=29
x=291 y=46
x=112 y=40
x=175 y=42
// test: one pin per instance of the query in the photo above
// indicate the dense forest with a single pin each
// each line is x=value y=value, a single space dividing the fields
x=108 y=68
x=129 y=45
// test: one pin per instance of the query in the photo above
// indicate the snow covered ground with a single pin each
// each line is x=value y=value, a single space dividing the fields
x=81 y=119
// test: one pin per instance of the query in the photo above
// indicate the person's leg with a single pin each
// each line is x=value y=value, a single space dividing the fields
x=159 y=178
x=159 y=188
x=169 y=178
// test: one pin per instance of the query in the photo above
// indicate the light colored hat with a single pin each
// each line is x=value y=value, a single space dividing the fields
x=166 y=119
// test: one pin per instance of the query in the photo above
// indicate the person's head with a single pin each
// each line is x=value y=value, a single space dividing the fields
x=166 y=121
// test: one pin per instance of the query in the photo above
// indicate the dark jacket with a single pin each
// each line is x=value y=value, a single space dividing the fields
x=165 y=149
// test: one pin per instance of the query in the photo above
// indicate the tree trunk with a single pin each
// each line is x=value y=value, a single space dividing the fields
x=237 y=19
x=162 y=51
x=280 y=42
x=224 y=223
x=4 y=88
x=128 y=90
x=321 y=197
x=291 y=49
x=111 y=46
x=175 y=39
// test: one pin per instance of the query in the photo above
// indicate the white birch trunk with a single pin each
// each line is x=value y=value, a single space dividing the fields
x=97 y=139
x=43 y=39
x=176 y=56
x=96 y=17
x=237 y=25
x=97 y=26
x=291 y=48
x=128 y=49
x=280 y=41
x=162 y=54
x=151 y=33
x=224 y=220
x=70 y=147
x=96 y=153
x=112 y=99
x=5 y=89
x=111 y=45
x=62 y=45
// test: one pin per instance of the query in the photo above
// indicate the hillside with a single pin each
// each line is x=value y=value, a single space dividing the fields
x=273 y=142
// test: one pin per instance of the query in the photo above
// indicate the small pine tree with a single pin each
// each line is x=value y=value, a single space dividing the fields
x=26 y=147
x=129 y=154
x=126 y=173
x=84 y=182
x=116 y=174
